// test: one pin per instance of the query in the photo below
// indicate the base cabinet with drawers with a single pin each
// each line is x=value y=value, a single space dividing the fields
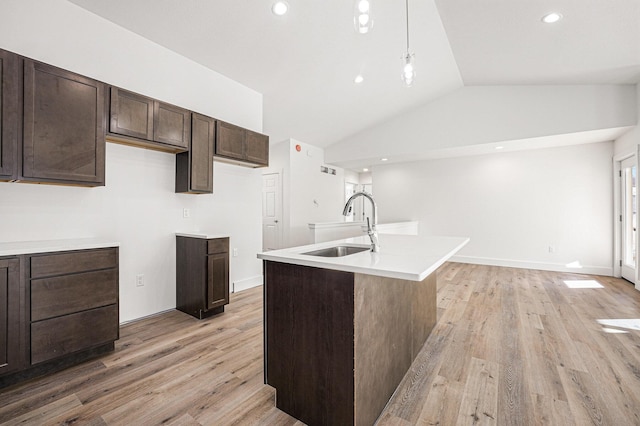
x=202 y=275
x=63 y=311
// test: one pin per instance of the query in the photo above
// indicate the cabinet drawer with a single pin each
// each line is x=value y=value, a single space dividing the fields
x=52 y=297
x=72 y=262
x=59 y=336
x=219 y=245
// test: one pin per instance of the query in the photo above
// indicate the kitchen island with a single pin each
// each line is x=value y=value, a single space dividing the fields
x=341 y=332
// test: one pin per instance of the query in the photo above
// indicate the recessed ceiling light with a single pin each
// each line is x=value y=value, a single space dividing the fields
x=365 y=170
x=499 y=147
x=383 y=159
x=552 y=17
x=280 y=8
x=359 y=79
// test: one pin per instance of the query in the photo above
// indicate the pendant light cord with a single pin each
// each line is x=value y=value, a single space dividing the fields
x=407 y=9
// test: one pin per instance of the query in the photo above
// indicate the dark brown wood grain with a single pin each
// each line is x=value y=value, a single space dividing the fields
x=194 y=168
x=171 y=124
x=64 y=128
x=230 y=141
x=218 y=245
x=61 y=295
x=52 y=264
x=10 y=114
x=217 y=280
x=202 y=280
x=131 y=114
x=257 y=148
x=309 y=340
x=56 y=337
x=11 y=320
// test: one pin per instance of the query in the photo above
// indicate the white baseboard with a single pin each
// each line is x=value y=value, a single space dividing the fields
x=557 y=267
x=246 y=284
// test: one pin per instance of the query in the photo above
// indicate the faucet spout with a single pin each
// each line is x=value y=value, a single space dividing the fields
x=371 y=227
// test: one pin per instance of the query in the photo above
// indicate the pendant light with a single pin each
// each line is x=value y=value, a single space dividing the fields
x=362 y=18
x=408 y=66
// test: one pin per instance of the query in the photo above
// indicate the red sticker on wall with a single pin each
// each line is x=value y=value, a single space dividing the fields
x=298 y=148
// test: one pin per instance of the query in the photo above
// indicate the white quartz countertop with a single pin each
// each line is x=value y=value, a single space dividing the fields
x=408 y=257
x=203 y=235
x=15 y=248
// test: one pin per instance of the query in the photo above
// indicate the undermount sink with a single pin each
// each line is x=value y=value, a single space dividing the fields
x=337 y=251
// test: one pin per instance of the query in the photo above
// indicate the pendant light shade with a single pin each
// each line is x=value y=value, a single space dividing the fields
x=362 y=17
x=408 y=69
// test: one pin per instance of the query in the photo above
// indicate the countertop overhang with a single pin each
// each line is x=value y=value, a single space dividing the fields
x=408 y=257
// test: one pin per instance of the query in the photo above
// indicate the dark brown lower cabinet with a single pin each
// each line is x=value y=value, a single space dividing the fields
x=202 y=275
x=64 y=311
x=11 y=320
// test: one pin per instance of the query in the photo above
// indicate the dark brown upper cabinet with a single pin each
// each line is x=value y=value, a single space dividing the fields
x=139 y=120
x=194 y=169
x=12 y=349
x=241 y=145
x=64 y=127
x=9 y=114
x=257 y=148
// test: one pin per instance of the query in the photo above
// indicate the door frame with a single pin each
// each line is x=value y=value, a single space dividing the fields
x=281 y=232
x=617 y=223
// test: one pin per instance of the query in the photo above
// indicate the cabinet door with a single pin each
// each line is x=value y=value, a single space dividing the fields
x=257 y=148
x=10 y=320
x=202 y=145
x=63 y=133
x=217 y=280
x=230 y=140
x=131 y=114
x=9 y=114
x=171 y=124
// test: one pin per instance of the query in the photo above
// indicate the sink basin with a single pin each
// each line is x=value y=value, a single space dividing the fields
x=337 y=251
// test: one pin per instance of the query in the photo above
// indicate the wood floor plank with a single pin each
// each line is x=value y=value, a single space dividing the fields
x=480 y=396
x=517 y=344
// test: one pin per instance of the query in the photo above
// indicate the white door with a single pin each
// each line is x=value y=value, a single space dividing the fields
x=271 y=212
x=628 y=218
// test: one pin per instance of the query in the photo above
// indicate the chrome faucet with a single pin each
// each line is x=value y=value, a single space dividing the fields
x=371 y=228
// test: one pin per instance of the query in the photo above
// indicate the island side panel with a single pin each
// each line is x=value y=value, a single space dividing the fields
x=309 y=342
x=383 y=341
x=424 y=311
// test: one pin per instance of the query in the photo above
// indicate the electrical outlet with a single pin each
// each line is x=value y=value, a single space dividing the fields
x=186 y=213
x=140 y=280
x=235 y=252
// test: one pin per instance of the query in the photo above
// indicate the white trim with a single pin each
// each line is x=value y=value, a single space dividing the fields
x=147 y=316
x=246 y=284
x=557 y=267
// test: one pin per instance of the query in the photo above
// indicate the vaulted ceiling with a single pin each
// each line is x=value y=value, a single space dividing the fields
x=304 y=63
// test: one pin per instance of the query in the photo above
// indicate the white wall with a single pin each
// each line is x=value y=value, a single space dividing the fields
x=138 y=206
x=628 y=143
x=513 y=205
x=309 y=196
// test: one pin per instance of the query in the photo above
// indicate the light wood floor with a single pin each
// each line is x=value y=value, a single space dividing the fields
x=512 y=346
